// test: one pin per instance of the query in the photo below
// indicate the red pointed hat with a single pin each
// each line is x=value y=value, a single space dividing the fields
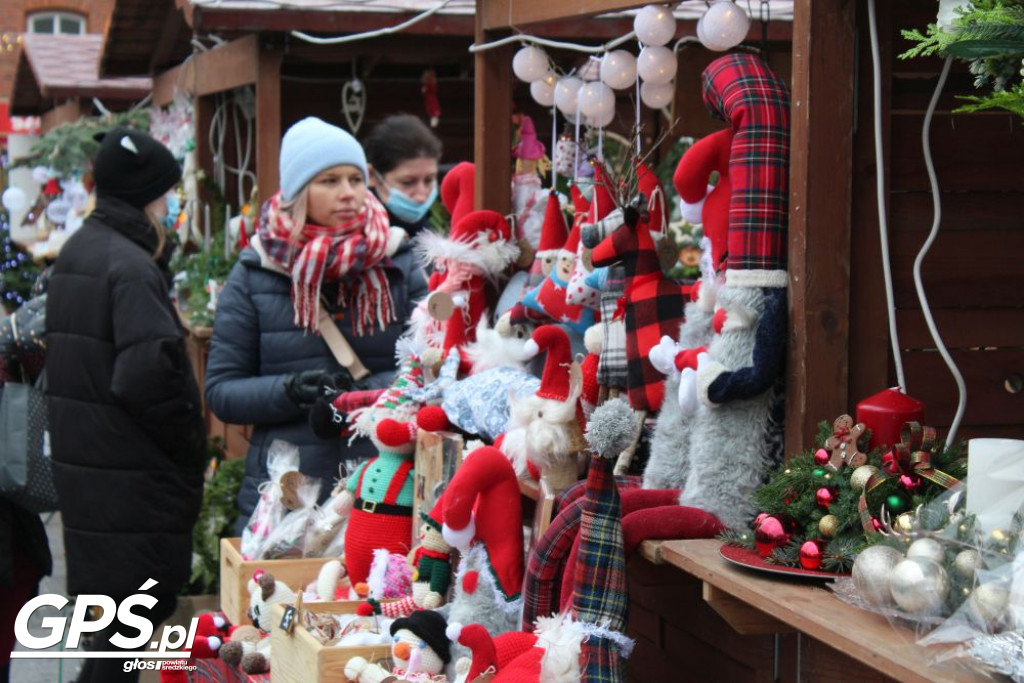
x=552 y=232
x=573 y=241
x=649 y=184
x=554 y=383
x=484 y=222
x=602 y=203
x=480 y=238
x=457 y=190
x=482 y=506
x=481 y=647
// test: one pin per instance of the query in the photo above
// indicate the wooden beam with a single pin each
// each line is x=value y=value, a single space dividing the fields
x=498 y=14
x=744 y=618
x=268 y=120
x=819 y=216
x=173 y=24
x=492 y=133
x=70 y=111
x=226 y=67
x=167 y=84
x=212 y=18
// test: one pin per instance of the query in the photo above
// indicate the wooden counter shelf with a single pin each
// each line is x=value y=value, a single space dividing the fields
x=755 y=604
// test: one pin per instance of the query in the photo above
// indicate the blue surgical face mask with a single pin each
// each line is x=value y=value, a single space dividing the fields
x=407 y=209
x=173 y=210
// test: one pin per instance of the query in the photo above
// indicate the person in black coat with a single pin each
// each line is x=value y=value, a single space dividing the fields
x=127 y=435
x=403 y=154
x=323 y=290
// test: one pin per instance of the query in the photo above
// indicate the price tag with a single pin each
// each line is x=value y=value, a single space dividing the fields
x=288 y=620
x=440 y=306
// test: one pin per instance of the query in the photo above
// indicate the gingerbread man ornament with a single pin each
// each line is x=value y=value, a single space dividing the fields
x=843 y=443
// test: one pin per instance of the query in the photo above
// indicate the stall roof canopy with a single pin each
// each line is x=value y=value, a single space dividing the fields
x=53 y=67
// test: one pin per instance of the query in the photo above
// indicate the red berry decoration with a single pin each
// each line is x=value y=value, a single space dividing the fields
x=769 y=535
x=821 y=456
x=825 y=497
x=810 y=556
x=875 y=523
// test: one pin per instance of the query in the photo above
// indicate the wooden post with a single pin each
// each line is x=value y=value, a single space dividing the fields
x=492 y=126
x=268 y=120
x=819 y=216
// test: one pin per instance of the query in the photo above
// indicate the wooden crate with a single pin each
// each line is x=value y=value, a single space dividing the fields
x=298 y=656
x=235 y=573
x=438 y=455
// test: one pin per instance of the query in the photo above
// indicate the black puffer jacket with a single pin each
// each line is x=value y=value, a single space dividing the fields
x=126 y=431
x=256 y=345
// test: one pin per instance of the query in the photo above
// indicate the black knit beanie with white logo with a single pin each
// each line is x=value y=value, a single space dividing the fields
x=133 y=167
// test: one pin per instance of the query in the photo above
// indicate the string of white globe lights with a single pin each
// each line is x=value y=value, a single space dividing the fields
x=584 y=99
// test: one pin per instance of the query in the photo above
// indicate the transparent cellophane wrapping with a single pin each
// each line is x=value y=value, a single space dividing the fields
x=976 y=559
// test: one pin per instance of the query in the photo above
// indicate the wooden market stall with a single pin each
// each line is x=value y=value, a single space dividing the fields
x=838 y=336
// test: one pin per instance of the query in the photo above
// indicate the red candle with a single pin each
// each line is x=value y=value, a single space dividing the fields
x=886 y=412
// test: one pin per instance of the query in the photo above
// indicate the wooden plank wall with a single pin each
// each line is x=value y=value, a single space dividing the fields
x=972 y=275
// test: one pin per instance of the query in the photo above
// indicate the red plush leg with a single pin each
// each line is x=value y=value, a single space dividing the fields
x=669 y=521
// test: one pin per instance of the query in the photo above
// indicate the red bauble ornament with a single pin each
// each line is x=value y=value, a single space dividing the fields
x=885 y=413
x=825 y=497
x=769 y=534
x=821 y=456
x=810 y=556
x=875 y=523
x=911 y=484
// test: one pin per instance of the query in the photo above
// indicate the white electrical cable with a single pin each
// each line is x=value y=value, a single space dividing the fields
x=883 y=230
x=918 y=284
x=557 y=44
x=554 y=146
x=373 y=34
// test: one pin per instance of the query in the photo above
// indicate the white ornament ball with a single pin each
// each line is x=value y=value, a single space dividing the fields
x=14 y=199
x=987 y=605
x=860 y=476
x=601 y=121
x=57 y=210
x=657 y=96
x=530 y=64
x=596 y=99
x=567 y=93
x=723 y=26
x=927 y=548
x=618 y=69
x=919 y=586
x=967 y=562
x=656 y=65
x=40 y=174
x=654 y=25
x=872 y=571
x=543 y=93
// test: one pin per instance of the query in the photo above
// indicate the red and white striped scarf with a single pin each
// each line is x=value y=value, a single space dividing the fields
x=351 y=253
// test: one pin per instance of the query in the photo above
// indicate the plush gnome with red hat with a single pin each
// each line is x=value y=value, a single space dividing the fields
x=483 y=519
x=739 y=381
x=553 y=234
x=421 y=652
x=477 y=252
x=544 y=429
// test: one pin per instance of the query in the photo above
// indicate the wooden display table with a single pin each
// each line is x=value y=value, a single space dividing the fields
x=860 y=645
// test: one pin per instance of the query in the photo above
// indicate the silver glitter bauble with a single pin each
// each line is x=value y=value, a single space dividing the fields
x=928 y=548
x=919 y=586
x=860 y=476
x=872 y=571
x=987 y=605
x=967 y=562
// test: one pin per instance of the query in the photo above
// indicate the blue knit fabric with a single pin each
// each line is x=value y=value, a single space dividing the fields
x=311 y=146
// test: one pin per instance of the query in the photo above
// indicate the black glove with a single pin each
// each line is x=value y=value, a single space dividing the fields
x=339 y=383
x=304 y=388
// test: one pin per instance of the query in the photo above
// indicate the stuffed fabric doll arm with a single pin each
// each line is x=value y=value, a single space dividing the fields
x=235 y=390
x=717 y=385
x=152 y=377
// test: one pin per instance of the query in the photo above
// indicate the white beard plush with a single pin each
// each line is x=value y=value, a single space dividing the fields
x=543 y=432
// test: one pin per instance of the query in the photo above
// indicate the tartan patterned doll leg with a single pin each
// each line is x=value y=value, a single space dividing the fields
x=611 y=368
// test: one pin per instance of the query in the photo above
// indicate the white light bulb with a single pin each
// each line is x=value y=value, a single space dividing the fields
x=14 y=199
x=567 y=95
x=656 y=65
x=654 y=25
x=724 y=26
x=602 y=120
x=657 y=95
x=543 y=93
x=618 y=69
x=596 y=99
x=530 y=64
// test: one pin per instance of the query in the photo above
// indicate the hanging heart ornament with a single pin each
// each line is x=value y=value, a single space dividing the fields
x=353 y=103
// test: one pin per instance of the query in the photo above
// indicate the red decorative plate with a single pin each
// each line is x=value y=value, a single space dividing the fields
x=753 y=560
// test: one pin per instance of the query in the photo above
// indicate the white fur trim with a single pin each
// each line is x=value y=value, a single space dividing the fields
x=707 y=372
x=757 y=278
x=624 y=643
x=395 y=238
x=531 y=349
x=454 y=631
x=688 y=391
x=692 y=213
x=491 y=257
x=460 y=538
x=593 y=338
x=378 y=571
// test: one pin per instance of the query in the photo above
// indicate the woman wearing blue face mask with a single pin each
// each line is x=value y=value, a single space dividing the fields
x=403 y=154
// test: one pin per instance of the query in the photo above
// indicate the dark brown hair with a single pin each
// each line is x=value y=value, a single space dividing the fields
x=397 y=138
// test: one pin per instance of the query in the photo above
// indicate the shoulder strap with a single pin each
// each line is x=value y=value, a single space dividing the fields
x=397 y=482
x=339 y=346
